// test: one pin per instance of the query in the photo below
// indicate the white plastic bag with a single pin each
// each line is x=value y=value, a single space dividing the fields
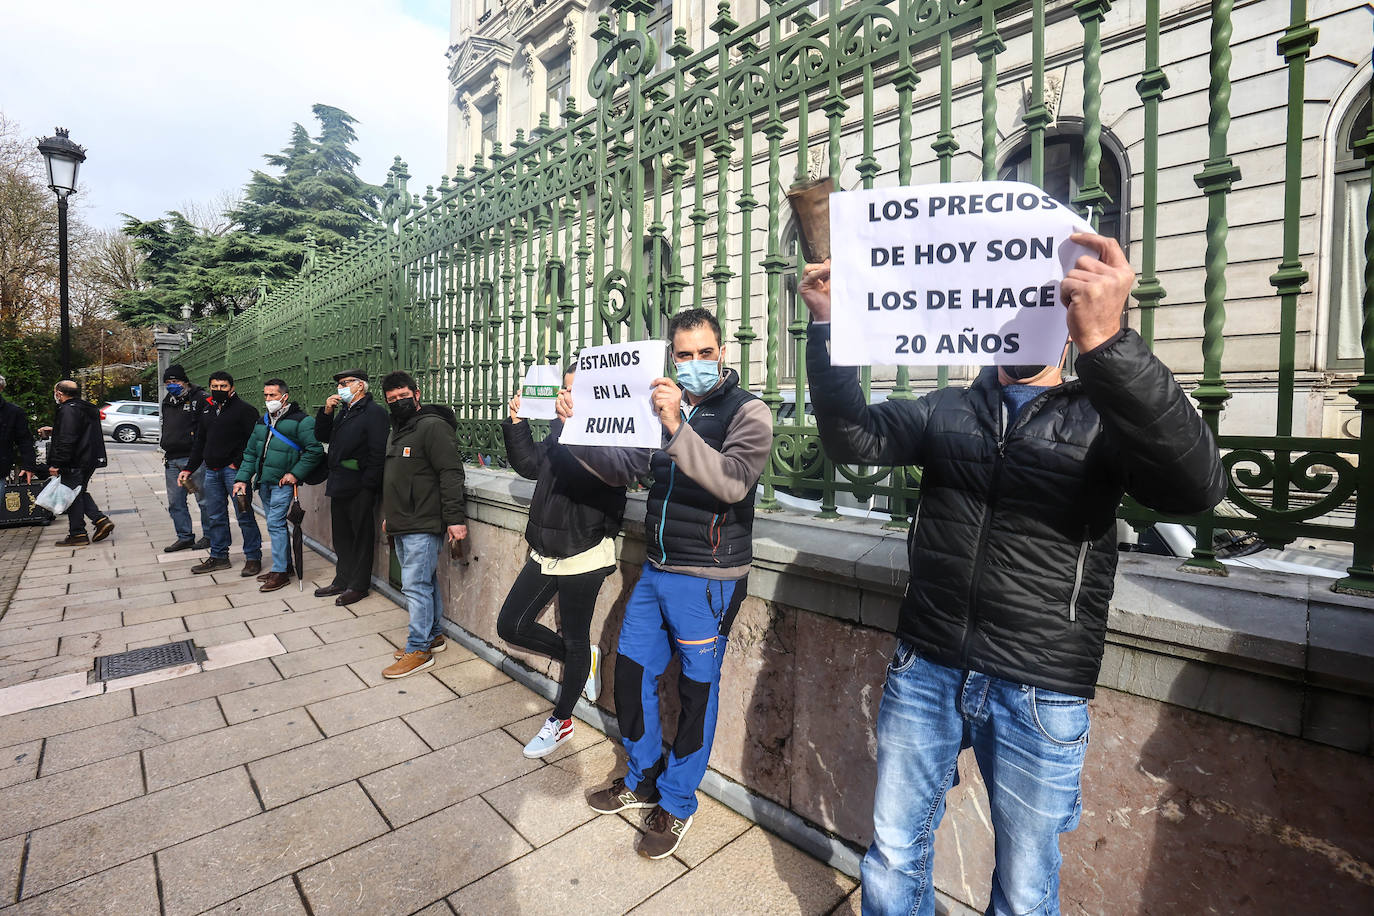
x=56 y=497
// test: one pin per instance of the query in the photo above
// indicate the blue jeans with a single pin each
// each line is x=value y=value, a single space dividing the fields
x=275 y=501
x=1029 y=744
x=418 y=555
x=176 y=500
x=672 y=612
x=218 y=485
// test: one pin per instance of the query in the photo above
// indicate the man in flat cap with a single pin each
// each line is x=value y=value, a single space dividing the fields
x=355 y=427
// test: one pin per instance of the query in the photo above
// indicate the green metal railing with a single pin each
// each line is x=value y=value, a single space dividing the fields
x=646 y=203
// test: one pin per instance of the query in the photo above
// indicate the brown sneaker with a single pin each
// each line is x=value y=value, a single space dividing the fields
x=617 y=797
x=408 y=664
x=103 y=527
x=75 y=540
x=251 y=568
x=273 y=581
x=211 y=564
x=662 y=834
x=437 y=646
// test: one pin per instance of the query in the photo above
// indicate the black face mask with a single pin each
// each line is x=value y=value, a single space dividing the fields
x=402 y=411
x=1016 y=373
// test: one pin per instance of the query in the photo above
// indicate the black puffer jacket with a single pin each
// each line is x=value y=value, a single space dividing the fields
x=1013 y=557
x=77 y=443
x=16 y=440
x=181 y=416
x=574 y=506
x=357 y=445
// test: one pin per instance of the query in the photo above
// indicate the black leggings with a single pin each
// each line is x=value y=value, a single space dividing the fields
x=517 y=624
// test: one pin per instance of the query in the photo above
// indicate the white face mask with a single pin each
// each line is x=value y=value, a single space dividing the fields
x=273 y=406
x=345 y=393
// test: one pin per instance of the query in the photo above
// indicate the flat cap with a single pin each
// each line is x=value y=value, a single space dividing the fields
x=359 y=374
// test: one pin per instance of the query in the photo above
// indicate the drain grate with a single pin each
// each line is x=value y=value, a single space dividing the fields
x=138 y=661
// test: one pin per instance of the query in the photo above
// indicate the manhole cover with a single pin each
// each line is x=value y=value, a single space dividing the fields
x=138 y=661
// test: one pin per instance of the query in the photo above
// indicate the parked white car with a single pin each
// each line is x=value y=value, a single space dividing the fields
x=129 y=421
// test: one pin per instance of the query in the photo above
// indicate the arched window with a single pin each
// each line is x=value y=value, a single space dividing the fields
x=1064 y=176
x=1350 y=198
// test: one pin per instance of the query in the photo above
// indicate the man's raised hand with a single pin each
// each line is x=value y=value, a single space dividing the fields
x=563 y=406
x=815 y=289
x=1095 y=291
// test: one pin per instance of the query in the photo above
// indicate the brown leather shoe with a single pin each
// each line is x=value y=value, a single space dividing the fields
x=211 y=564
x=251 y=568
x=437 y=646
x=408 y=664
x=329 y=591
x=103 y=527
x=274 y=581
x=349 y=596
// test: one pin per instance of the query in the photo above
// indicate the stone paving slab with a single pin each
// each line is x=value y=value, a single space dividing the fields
x=127 y=890
x=279 y=898
x=49 y=799
x=180 y=761
x=206 y=684
x=99 y=742
x=374 y=704
x=592 y=869
x=11 y=863
x=99 y=840
x=233 y=860
x=306 y=770
x=290 y=693
x=43 y=723
x=451 y=722
x=451 y=774
x=393 y=874
x=19 y=763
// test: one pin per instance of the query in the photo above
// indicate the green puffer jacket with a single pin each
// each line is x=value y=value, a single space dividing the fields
x=296 y=425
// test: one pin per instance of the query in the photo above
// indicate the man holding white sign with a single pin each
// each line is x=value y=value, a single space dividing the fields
x=714 y=440
x=1013 y=556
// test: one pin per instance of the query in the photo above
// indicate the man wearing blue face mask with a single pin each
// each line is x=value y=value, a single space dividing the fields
x=356 y=427
x=181 y=414
x=700 y=526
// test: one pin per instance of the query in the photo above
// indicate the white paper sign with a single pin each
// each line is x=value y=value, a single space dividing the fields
x=539 y=392
x=611 y=404
x=950 y=274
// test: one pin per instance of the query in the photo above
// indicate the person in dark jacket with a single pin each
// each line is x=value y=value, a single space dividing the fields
x=1013 y=559
x=355 y=427
x=182 y=410
x=422 y=504
x=280 y=454
x=699 y=519
x=16 y=441
x=225 y=427
x=76 y=451
x=578 y=505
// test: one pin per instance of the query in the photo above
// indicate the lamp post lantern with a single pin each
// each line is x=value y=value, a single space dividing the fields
x=64 y=160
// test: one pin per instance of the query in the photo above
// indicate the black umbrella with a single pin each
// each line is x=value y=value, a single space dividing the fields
x=295 y=515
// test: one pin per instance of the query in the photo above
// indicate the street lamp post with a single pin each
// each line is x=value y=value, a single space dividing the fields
x=64 y=159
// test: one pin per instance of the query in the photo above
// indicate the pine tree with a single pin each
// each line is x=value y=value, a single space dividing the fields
x=316 y=190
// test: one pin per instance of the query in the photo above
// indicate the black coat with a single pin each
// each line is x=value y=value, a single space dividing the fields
x=181 y=416
x=1013 y=553
x=357 y=445
x=16 y=440
x=573 y=509
x=223 y=433
x=77 y=443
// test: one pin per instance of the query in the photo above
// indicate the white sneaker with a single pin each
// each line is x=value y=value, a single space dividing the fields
x=592 y=690
x=554 y=733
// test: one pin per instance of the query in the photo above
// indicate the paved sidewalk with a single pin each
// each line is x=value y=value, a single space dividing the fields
x=304 y=782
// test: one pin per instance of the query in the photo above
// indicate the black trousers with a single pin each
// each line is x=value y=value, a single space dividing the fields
x=83 y=507
x=354 y=526
x=518 y=626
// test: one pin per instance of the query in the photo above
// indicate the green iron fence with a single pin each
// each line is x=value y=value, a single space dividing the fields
x=667 y=192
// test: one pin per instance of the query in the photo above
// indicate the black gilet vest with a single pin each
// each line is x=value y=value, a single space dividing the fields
x=686 y=525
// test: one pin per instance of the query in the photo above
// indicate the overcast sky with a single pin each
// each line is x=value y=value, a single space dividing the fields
x=176 y=101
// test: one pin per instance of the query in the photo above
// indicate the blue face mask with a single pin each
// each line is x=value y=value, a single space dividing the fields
x=174 y=389
x=699 y=376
